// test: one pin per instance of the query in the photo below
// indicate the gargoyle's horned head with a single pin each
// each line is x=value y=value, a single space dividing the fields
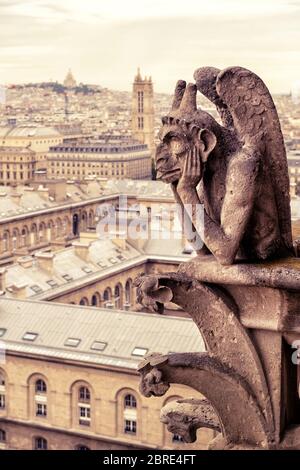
x=184 y=129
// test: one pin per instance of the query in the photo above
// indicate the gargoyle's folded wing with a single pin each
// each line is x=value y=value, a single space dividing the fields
x=206 y=79
x=256 y=121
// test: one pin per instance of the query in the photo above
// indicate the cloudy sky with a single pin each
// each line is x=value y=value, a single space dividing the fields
x=103 y=41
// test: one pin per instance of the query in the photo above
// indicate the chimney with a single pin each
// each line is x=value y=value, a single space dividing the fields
x=45 y=261
x=16 y=197
x=43 y=192
x=88 y=237
x=2 y=279
x=25 y=261
x=19 y=291
x=81 y=250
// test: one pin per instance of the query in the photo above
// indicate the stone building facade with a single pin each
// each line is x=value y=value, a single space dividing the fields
x=24 y=150
x=17 y=165
x=111 y=160
x=55 y=395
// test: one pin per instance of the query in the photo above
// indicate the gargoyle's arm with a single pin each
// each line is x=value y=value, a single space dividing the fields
x=192 y=235
x=241 y=188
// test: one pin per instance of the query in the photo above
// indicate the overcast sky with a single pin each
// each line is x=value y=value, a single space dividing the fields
x=103 y=41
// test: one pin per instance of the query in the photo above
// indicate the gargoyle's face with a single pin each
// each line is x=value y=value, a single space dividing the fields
x=170 y=156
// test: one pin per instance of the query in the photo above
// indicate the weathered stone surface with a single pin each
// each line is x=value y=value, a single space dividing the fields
x=184 y=417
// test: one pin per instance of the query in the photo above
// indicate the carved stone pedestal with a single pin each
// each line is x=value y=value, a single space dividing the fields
x=249 y=317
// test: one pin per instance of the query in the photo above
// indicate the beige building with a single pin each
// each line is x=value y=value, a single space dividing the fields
x=23 y=150
x=142 y=117
x=68 y=378
x=17 y=165
x=112 y=159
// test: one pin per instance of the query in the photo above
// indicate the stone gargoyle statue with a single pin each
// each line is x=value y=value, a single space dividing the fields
x=240 y=290
x=239 y=166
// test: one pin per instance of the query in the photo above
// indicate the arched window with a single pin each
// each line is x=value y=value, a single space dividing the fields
x=84 y=395
x=40 y=386
x=129 y=411
x=117 y=296
x=84 y=301
x=84 y=406
x=128 y=287
x=82 y=447
x=15 y=239
x=129 y=401
x=5 y=245
x=24 y=237
x=42 y=232
x=40 y=443
x=95 y=301
x=40 y=398
x=51 y=229
x=34 y=235
x=2 y=392
x=107 y=298
x=75 y=223
x=83 y=222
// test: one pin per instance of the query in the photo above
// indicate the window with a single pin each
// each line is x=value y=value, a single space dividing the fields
x=139 y=352
x=41 y=409
x=2 y=436
x=130 y=426
x=84 y=395
x=74 y=342
x=84 y=406
x=95 y=301
x=86 y=269
x=37 y=289
x=82 y=447
x=2 y=401
x=117 y=297
x=129 y=401
x=2 y=392
x=40 y=443
x=85 y=415
x=30 y=336
x=52 y=283
x=98 y=346
x=40 y=386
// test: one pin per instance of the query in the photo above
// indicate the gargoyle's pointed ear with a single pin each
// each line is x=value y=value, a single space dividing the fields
x=208 y=142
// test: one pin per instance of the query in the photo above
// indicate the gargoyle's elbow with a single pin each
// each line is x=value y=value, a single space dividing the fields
x=226 y=259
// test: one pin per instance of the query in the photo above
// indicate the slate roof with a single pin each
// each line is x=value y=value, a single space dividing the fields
x=122 y=331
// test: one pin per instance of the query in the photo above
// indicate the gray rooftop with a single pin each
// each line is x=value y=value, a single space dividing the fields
x=122 y=332
x=28 y=131
x=31 y=200
x=70 y=270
